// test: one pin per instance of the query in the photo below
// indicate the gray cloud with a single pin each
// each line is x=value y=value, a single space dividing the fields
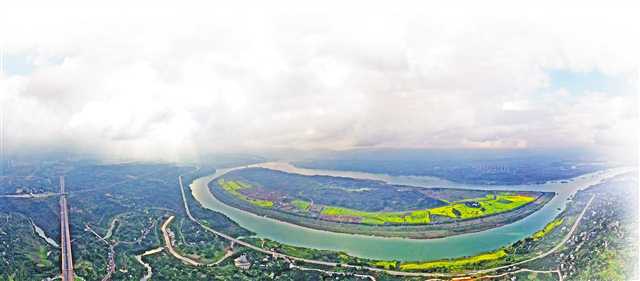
x=172 y=87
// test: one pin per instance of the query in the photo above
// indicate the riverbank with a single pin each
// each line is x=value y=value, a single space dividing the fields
x=383 y=248
x=503 y=259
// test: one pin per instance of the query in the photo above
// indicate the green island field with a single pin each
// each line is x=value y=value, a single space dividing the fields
x=372 y=207
x=456 y=210
x=234 y=188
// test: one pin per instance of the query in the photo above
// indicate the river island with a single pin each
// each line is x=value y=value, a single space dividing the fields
x=373 y=207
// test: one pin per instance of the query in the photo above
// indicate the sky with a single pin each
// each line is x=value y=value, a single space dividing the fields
x=153 y=81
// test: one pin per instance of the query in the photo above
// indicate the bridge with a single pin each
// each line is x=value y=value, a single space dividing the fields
x=65 y=237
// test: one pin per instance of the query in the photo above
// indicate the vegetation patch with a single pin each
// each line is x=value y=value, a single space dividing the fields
x=40 y=257
x=390 y=265
x=465 y=209
x=372 y=207
x=547 y=229
x=415 y=217
x=302 y=205
x=455 y=264
x=491 y=204
x=234 y=188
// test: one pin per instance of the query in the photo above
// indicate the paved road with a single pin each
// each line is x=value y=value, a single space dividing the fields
x=65 y=237
x=391 y=272
x=30 y=195
x=167 y=241
x=111 y=266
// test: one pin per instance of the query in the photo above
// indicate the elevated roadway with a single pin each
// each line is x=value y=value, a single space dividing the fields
x=65 y=237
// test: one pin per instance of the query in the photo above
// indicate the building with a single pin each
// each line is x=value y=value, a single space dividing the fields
x=242 y=262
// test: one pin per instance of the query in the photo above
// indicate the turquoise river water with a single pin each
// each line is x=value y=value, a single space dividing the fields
x=399 y=248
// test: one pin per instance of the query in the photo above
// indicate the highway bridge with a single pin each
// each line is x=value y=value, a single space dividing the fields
x=65 y=237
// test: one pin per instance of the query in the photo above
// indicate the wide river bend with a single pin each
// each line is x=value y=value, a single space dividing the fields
x=399 y=248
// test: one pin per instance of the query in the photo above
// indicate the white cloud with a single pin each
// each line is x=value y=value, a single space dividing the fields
x=155 y=81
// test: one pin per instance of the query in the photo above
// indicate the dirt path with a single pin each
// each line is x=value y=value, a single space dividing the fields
x=111 y=227
x=226 y=255
x=146 y=265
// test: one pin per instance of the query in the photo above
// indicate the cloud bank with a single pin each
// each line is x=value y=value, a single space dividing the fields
x=173 y=82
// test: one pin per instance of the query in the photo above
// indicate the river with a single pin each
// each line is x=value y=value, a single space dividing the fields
x=399 y=248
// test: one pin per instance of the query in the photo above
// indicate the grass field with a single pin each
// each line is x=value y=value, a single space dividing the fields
x=488 y=205
x=455 y=263
x=460 y=263
x=463 y=209
x=300 y=204
x=386 y=264
x=233 y=187
x=547 y=229
x=456 y=210
x=415 y=217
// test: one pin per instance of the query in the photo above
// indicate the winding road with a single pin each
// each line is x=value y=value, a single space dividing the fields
x=169 y=246
x=146 y=265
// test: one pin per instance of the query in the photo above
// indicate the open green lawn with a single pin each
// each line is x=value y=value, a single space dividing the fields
x=233 y=187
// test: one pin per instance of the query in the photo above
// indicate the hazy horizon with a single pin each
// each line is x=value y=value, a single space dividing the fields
x=328 y=140
x=103 y=80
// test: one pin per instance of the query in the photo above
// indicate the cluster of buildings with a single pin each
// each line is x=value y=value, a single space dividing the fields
x=600 y=221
